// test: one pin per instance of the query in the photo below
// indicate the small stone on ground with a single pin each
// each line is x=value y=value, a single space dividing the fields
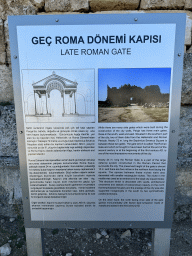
x=5 y=250
x=126 y=233
x=103 y=233
x=98 y=236
x=12 y=219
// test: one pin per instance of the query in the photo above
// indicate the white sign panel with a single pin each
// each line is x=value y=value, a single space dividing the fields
x=96 y=106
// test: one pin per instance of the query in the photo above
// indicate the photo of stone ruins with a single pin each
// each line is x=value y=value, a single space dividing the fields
x=131 y=103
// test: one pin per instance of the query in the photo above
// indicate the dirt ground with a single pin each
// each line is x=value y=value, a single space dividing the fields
x=132 y=113
x=97 y=242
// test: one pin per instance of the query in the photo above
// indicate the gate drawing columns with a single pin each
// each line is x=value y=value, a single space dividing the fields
x=54 y=82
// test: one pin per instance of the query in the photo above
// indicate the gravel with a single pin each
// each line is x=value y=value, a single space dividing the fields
x=98 y=242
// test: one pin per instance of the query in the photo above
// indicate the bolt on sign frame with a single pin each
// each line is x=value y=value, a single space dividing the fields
x=77 y=56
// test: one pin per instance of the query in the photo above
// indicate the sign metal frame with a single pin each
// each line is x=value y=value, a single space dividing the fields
x=99 y=19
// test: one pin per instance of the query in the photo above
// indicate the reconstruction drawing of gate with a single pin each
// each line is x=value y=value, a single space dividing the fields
x=42 y=90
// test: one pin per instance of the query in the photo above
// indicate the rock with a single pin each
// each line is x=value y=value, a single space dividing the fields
x=182 y=211
x=98 y=236
x=189 y=50
x=57 y=5
x=188 y=4
x=6 y=85
x=2 y=10
x=162 y=4
x=180 y=216
x=184 y=146
x=39 y=3
x=12 y=219
x=103 y=233
x=8 y=147
x=2 y=44
x=19 y=7
x=90 y=251
x=5 y=249
x=55 y=13
x=66 y=5
x=188 y=31
x=189 y=193
x=79 y=6
x=2 y=221
x=149 y=245
x=126 y=234
x=108 y=5
x=184 y=182
x=186 y=93
x=7 y=41
x=69 y=254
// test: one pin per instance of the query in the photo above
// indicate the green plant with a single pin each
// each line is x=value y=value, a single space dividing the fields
x=55 y=231
x=77 y=252
x=5 y=103
x=19 y=244
x=2 y=230
x=22 y=229
x=12 y=237
x=17 y=209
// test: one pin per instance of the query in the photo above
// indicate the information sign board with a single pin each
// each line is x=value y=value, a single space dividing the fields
x=97 y=105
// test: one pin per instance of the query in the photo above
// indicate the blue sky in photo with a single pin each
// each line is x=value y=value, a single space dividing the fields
x=140 y=77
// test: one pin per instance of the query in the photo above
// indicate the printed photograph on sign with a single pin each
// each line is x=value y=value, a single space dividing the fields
x=58 y=95
x=134 y=95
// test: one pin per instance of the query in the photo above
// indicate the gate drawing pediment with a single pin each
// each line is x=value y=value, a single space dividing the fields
x=54 y=82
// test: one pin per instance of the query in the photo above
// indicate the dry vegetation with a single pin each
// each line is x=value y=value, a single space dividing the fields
x=126 y=115
x=110 y=115
x=132 y=114
x=158 y=114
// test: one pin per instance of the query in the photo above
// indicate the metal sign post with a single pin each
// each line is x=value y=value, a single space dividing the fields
x=34 y=239
x=97 y=105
